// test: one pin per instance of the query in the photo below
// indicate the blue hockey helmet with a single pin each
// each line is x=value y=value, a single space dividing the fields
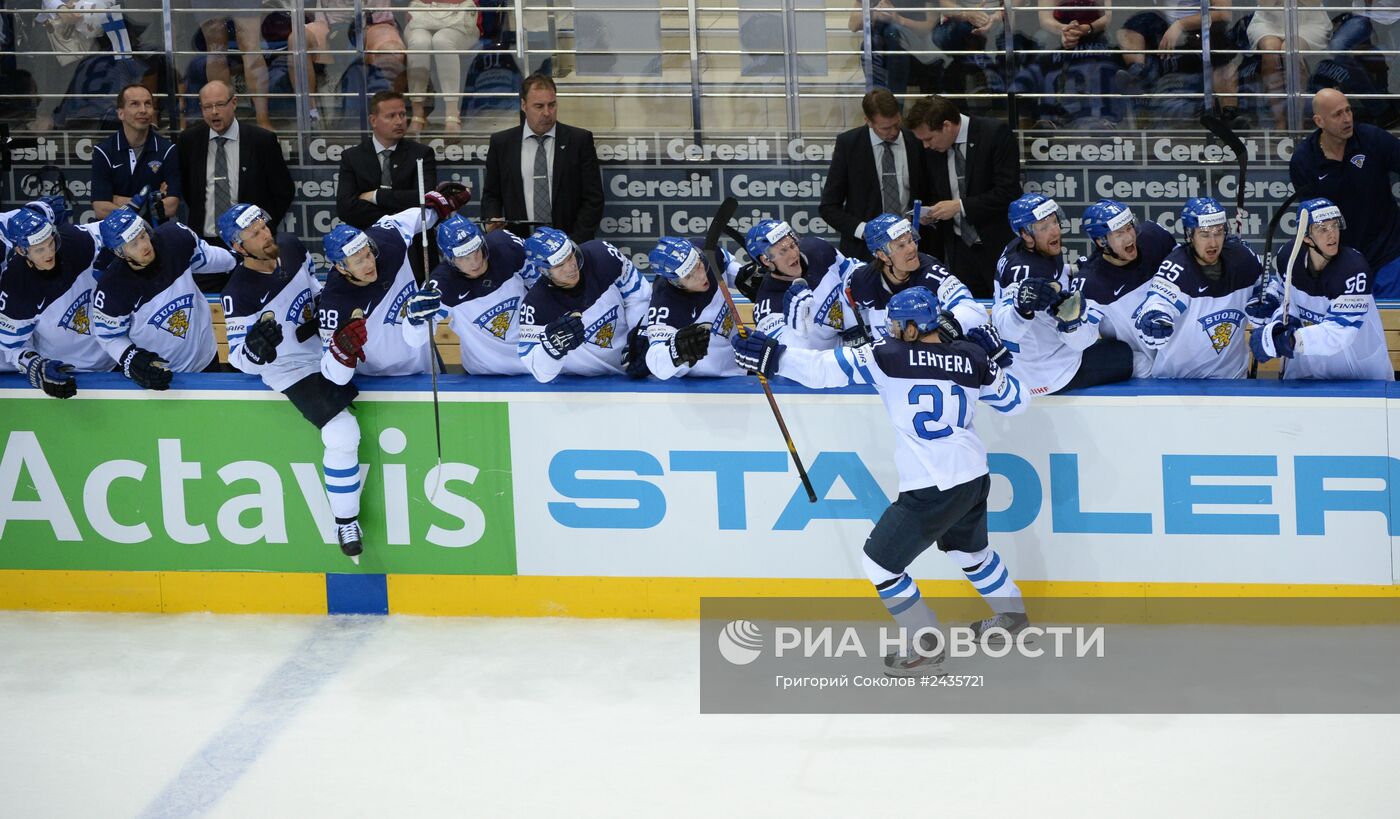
x=237 y=219
x=121 y=226
x=54 y=208
x=883 y=229
x=1201 y=211
x=764 y=235
x=548 y=247
x=344 y=241
x=1105 y=216
x=1029 y=209
x=1322 y=210
x=28 y=228
x=458 y=238
x=916 y=304
x=673 y=258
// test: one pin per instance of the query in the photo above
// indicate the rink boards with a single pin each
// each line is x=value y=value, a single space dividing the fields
x=617 y=499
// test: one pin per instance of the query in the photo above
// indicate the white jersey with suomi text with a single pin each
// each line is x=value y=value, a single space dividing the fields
x=827 y=273
x=930 y=392
x=673 y=309
x=1045 y=357
x=289 y=293
x=393 y=345
x=484 y=311
x=1118 y=291
x=159 y=307
x=1341 y=335
x=48 y=312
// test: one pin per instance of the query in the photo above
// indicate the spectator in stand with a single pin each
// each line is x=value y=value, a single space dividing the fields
x=1265 y=32
x=1080 y=61
x=248 y=26
x=1353 y=165
x=384 y=46
x=1178 y=28
x=439 y=31
x=135 y=157
x=898 y=27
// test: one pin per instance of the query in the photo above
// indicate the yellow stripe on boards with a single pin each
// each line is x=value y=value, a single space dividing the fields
x=164 y=592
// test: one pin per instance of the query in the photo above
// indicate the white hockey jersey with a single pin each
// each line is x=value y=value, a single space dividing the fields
x=50 y=312
x=289 y=292
x=1045 y=357
x=484 y=312
x=930 y=392
x=159 y=307
x=1118 y=292
x=393 y=346
x=613 y=298
x=1341 y=335
x=1209 y=339
x=827 y=273
x=673 y=309
x=872 y=292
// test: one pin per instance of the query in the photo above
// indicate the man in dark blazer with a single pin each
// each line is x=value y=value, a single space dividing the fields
x=379 y=177
x=562 y=188
x=876 y=168
x=974 y=169
x=252 y=169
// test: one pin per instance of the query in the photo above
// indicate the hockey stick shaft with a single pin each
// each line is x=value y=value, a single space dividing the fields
x=1226 y=134
x=432 y=342
x=1270 y=263
x=717 y=224
x=1303 y=220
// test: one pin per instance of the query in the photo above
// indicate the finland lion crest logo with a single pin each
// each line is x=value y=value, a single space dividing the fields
x=600 y=333
x=76 y=318
x=398 y=308
x=496 y=321
x=831 y=313
x=1220 y=327
x=174 y=318
x=300 y=310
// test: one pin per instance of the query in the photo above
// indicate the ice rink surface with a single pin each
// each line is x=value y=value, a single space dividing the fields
x=250 y=716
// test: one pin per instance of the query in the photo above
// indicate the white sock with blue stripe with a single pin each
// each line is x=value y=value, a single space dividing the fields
x=901 y=596
x=341 y=464
x=991 y=578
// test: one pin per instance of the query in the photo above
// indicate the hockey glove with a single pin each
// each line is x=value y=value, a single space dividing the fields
x=747 y=280
x=757 y=353
x=1261 y=305
x=50 y=375
x=1034 y=295
x=1068 y=311
x=857 y=336
x=138 y=202
x=634 y=359
x=423 y=305
x=949 y=328
x=1155 y=327
x=690 y=344
x=1274 y=340
x=797 y=306
x=447 y=198
x=348 y=342
x=260 y=344
x=562 y=335
x=987 y=337
x=145 y=368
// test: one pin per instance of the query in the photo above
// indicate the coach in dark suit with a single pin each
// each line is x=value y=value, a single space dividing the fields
x=544 y=171
x=379 y=177
x=974 y=171
x=252 y=168
x=876 y=168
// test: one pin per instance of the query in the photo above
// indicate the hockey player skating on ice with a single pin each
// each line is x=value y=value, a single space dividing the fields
x=270 y=314
x=46 y=289
x=147 y=311
x=687 y=311
x=930 y=387
x=1202 y=294
x=800 y=296
x=898 y=265
x=1332 y=329
x=482 y=281
x=1123 y=257
x=577 y=317
x=374 y=316
x=1042 y=315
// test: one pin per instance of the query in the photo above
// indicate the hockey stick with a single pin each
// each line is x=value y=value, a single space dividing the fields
x=718 y=223
x=1270 y=263
x=1225 y=134
x=1303 y=219
x=432 y=342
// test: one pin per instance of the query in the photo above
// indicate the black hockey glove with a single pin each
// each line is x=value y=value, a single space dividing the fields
x=260 y=345
x=757 y=353
x=50 y=375
x=634 y=359
x=690 y=344
x=562 y=335
x=747 y=280
x=949 y=328
x=1034 y=295
x=987 y=337
x=857 y=336
x=145 y=368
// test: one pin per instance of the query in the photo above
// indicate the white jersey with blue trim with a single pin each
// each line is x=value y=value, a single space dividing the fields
x=393 y=345
x=871 y=291
x=159 y=307
x=289 y=292
x=1045 y=357
x=673 y=309
x=48 y=312
x=1118 y=291
x=930 y=392
x=484 y=312
x=611 y=295
x=1341 y=335
x=827 y=273
x=1208 y=340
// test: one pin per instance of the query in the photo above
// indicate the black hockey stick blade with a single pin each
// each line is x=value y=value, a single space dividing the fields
x=1213 y=123
x=719 y=222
